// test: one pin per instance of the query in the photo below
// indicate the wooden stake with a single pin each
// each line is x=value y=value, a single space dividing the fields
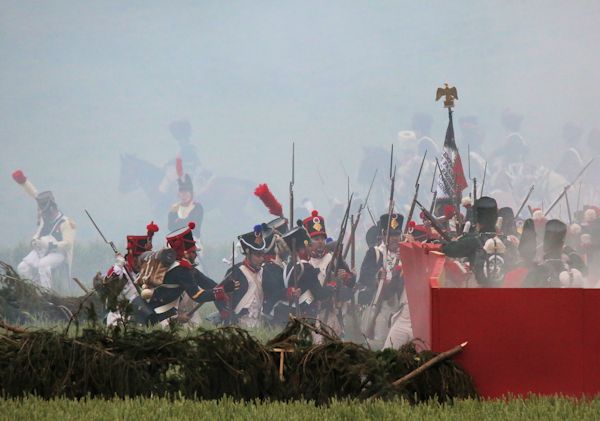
x=438 y=358
x=78 y=282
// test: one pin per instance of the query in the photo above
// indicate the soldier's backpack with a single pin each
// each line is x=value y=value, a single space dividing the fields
x=489 y=265
x=154 y=266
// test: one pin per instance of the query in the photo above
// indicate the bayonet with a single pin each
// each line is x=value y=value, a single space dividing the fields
x=291 y=221
x=568 y=186
x=483 y=181
x=354 y=223
x=568 y=208
x=110 y=243
x=412 y=205
x=524 y=202
x=114 y=248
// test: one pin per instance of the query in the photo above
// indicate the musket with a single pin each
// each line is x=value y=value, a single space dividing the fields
x=412 y=205
x=354 y=223
x=524 y=202
x=390 y=207
x=334 y=265
x=483 y=181
x=377 y=303
x=337 y=252
x=294 y=262
x=352 y=305
x=353 y=243
x=434 y=223
x=110 y=243
x=371 y=215
x=568 y=208
x=433 y=189
x=578 y=195
x=291 y=222
x=568 y=186
x=114 y=248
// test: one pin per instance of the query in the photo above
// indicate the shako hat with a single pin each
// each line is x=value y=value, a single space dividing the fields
x=395 y=223
x=254 y=241
x=138 y=244
x=275 y=228
x=185 y=184
x=486 y=212
x=315 y=224
x=297 y=237
x=509 y=227
x=45 y=200
x=554 y=235
x=182 y=240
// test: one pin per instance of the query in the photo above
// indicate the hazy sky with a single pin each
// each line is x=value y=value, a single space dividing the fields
x=83 y=81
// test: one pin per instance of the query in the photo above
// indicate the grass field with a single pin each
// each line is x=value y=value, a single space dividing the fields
x=160 y=409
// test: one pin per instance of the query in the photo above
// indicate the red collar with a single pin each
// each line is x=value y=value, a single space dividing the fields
x=249 y=266
x=185 y=264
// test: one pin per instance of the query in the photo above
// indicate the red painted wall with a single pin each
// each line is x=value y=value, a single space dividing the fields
x=544 y=341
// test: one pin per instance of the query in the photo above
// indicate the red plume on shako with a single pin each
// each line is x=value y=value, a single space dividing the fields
x=265 y=195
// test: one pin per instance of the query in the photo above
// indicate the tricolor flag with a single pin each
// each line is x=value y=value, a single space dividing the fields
x=452 y=179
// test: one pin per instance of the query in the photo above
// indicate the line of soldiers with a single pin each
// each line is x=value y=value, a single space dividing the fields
x=294 y=270
x=284 y=271
x=289 y=271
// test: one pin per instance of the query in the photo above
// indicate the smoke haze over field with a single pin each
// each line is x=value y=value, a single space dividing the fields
x=84 y=82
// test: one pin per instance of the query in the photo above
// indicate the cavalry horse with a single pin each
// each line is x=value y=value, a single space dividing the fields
x=231 y=197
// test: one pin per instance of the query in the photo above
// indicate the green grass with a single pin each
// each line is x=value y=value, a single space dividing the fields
x=546 y=408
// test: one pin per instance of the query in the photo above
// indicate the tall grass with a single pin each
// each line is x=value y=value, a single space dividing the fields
x=543 y=408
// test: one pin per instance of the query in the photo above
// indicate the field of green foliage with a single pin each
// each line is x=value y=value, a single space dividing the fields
x=161 y=409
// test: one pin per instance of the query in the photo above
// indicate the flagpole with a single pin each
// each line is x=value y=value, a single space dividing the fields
x=454 y=191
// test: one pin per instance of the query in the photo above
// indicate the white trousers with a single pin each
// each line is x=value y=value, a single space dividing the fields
x=382 y=323
x=401 y=329
x=39 y=268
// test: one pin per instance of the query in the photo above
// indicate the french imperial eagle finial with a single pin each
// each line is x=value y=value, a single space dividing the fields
x=449 y=92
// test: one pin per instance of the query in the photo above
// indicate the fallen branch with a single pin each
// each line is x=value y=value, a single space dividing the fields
x=428 y=364
x=11 y=328
x=315 y=329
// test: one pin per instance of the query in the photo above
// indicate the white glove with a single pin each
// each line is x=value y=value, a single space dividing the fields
x=40 y=245
x=119 y=260
x=117 y=270
x=118 y=267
